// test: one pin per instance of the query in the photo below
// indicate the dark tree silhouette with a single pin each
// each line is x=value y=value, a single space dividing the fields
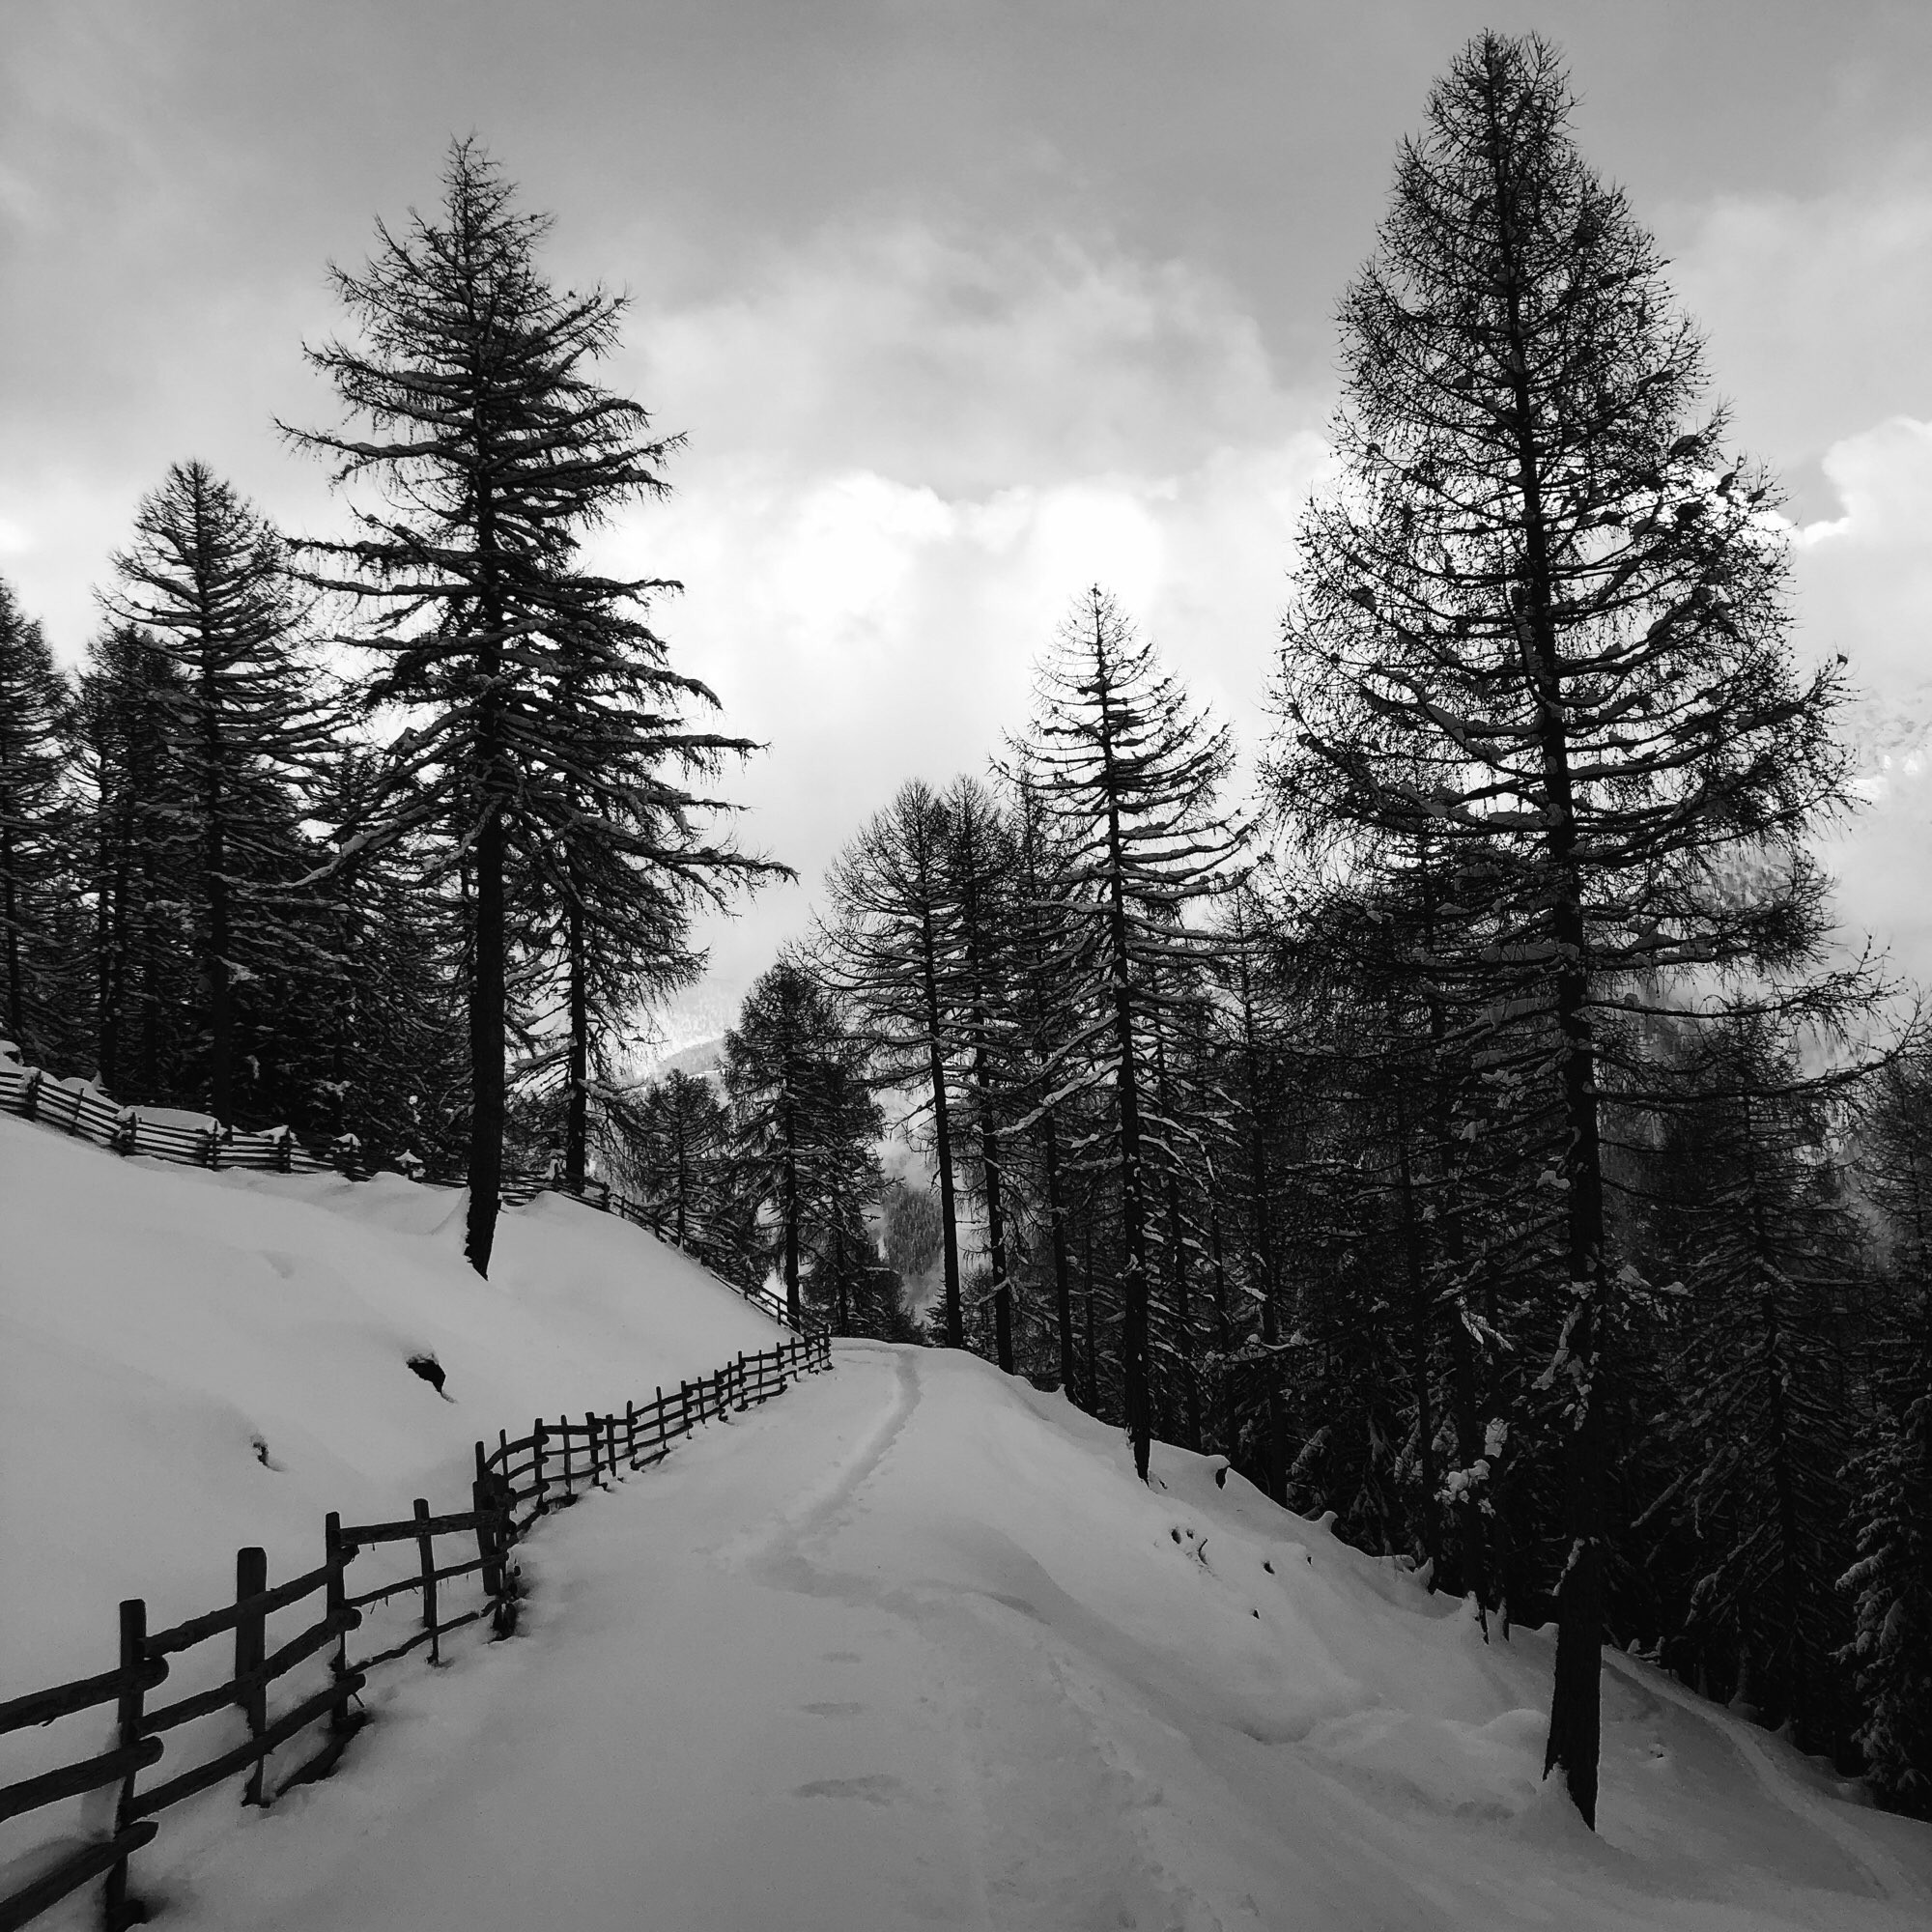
x=1130 y=771
x=1541 y=616
x=544 y=745
x=33 y=841
x=206 y=579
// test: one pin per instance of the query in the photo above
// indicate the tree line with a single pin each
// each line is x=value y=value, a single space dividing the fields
x=1492 y=1142
x=1480 y=1136
x=390 y=835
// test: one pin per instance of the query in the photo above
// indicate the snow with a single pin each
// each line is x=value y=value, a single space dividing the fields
x=159 y=1323
x=908 y=1646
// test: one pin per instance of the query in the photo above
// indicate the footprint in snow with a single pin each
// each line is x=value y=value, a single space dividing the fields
x=877 y=1789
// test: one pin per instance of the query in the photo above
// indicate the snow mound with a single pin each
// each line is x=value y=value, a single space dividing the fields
x=192 y=1361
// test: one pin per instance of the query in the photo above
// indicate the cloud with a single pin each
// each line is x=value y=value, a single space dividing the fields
x=1863 y=583
x=1815 y=307
x=915 y=450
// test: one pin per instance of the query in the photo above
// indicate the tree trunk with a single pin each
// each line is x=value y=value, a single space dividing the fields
x=996 y=1249
x=577 y=1113
x=1260 y=1242
x=488 y=1018
x=1420 y=1326
x=1575 y=1716
x=794 y=1300
x=16 y=1003
x=214 y=959
x=948 y=1214
x=1063 y=1290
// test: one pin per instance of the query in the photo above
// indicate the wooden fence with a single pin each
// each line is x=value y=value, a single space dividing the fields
x=310 y=1722
x=82 y=1111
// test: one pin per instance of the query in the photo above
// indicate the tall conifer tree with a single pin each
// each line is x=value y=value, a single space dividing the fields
x=1131 y=773
x=206 y=579
x=1541 y=616
x=544 y=752
x=33 y=699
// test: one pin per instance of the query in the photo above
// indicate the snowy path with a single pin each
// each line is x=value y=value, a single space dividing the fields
x=910 y=1647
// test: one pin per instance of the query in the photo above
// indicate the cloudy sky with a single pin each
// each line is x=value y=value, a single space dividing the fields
x=962 y=307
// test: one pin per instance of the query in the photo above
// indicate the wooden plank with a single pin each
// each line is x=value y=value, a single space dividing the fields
x=198 y=1629
x=204 y=1703
x=43 y=1707
x=383 y=1592
x=71 y=1781
x=161 y=1796
x=365 y=1664
x=368 y=1534
x=72 y=1872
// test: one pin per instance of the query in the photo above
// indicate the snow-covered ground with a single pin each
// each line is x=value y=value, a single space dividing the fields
x=909 y=1646
x=192 y=1361
x=912 y=1647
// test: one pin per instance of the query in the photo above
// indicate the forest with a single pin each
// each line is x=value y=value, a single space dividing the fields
x=1476 y=1129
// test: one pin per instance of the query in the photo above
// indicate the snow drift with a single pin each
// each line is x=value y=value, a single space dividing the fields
x=193 y=1361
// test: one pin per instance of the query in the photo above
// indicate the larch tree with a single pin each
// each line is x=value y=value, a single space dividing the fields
x=1539 y=619
x=133 y=802
x=543 y=752
x=1130 y=774
x=980 y=865
x=33 y=807
x=803 y=1117
x=890 y=946
x=1889 y=1584
x=1042 y=1011
x=205 y=578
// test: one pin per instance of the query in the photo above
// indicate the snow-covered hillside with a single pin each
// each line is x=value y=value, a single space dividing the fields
x=912 y=1647
x=907 y=1646
x=191 y=1362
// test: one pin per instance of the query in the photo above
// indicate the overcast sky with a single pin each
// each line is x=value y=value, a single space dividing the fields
x=962 y=307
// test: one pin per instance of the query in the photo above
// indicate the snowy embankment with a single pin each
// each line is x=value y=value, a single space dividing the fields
x=192 y=1361
x=912 y=1647
x=908 y=1646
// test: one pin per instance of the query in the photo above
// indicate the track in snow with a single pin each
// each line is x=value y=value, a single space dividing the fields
x=911 y=1647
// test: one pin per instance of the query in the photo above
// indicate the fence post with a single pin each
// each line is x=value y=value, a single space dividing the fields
x=426 y=1548
x=610 y=1446
x=118 y=1910
x=631 y=1434
x=488 y=1542
x=251 y=1579
x=684 y=1406
x=542 y=1482
x=590 y=1443
x=336 y=1558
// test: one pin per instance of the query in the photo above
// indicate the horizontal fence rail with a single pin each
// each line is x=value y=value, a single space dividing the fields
x=291 y=1702
x=80 y=1109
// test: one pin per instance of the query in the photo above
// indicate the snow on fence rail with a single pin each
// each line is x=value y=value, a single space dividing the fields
x=515 y=1482
x=79 y=1108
